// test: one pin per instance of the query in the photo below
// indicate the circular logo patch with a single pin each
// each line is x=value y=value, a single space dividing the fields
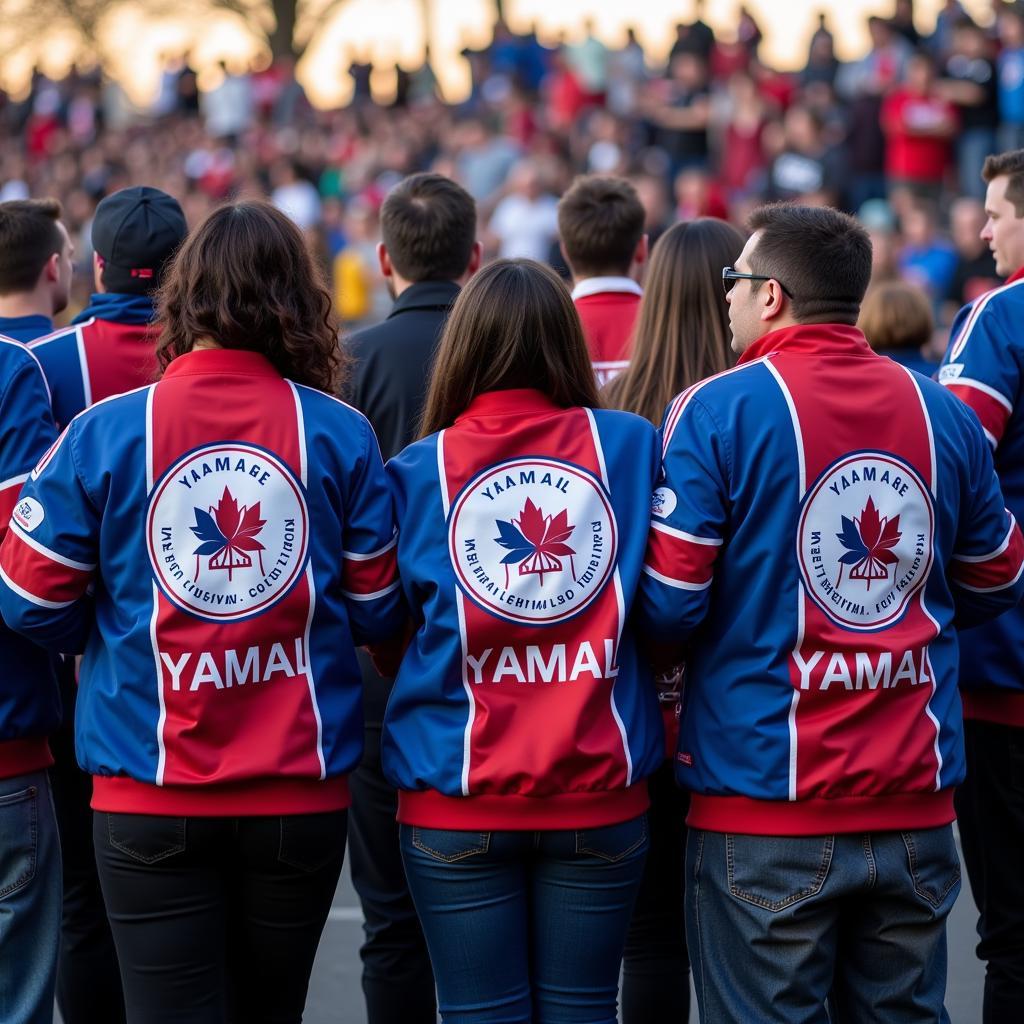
x=865 y=539
x=227 y=531
x=533 y=540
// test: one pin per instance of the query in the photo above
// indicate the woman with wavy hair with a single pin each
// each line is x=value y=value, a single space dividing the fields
x=523 y=722
x=216 y=544
x=681 y=336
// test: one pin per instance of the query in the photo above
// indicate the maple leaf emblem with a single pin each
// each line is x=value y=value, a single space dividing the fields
x=535 y=542
x=228 y=533
x=868 y=541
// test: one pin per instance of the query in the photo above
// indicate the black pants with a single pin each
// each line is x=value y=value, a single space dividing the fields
x=990 y=806
x=88 y=980
x=397 y=978
x=218 y=919
x=655 y=965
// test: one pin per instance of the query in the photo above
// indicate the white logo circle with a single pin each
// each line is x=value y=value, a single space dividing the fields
x=663 y=502
x=865 y=539
x=533 y=540
x=227 y=531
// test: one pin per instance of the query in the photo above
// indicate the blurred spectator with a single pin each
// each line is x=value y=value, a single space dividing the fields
x=742 y=153
x=903 y=22
x=927 y=259
x=1011 y=77
x=748 y=32
x=228 y=108
x=680 y=110
x=361 y=71
x=822 y=63
x=918 y=124
x=806 y=169
x=525 y=222
x=975 y=271
x=695 y=37
x=295 y=195
x=896 y=319
x=588 y=60
x=969 y=81
x=627 y=72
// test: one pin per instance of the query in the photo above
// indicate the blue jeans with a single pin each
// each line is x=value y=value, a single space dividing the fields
x=776 y=923
x=30 y=899
x=526 y=926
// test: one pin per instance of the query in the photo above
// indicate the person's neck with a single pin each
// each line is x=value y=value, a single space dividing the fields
x=21 y=304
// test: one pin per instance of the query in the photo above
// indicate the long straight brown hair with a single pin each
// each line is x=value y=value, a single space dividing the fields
x=513 y=326
x=682 y=330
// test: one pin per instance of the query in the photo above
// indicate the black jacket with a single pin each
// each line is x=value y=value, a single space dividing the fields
x=390 y=375
x=393 y=361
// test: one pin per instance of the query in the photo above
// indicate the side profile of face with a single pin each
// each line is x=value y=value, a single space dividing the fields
x=1004 y=229
x=58 y=271
x=745 y=305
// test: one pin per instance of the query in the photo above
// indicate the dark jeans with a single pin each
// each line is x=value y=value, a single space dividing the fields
x=655 y=967
x=88 y=980
x=29 y=899
x=526 y=926
x=990 y=806
x=217 y=919
x=397 y=980
x=775 y=923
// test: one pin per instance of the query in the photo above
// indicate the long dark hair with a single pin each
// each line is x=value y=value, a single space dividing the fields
x=245 y=279
x=682 y=331
x=513 y=326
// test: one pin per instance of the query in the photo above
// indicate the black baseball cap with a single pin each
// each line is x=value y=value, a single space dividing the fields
x=136 y=231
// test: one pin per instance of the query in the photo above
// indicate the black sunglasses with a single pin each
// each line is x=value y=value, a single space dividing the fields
x=730 y=275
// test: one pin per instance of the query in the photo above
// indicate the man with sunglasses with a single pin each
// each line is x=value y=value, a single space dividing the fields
x=828 y=519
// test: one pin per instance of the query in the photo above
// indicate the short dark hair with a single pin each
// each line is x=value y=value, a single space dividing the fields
x=246 y=279
x=821 y=256
x=29 y=236
x=1011 y=164
x=428 y=225
x=600 y=221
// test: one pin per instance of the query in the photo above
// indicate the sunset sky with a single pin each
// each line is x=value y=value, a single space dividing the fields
x=392 y=30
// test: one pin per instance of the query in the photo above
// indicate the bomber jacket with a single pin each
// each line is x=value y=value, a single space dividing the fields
x=984 y=367
x=826 y=520
x=522 y=701
x=216 y=543
x=29 y=702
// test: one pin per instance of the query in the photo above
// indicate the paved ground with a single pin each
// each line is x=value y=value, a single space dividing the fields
x=335 y=996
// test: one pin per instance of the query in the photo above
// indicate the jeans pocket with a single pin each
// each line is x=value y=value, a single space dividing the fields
x=613 y=842
x=309 y=842
x=934 y=864
x=449 y=845
x=147 y=838
x=19 y=830
x=774 y=872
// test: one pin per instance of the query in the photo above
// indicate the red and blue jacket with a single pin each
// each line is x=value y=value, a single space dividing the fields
x=217 y=544
x=109 y=348
x=826 y=520
x=984 y=367
x=29 y=703
x=522 y=701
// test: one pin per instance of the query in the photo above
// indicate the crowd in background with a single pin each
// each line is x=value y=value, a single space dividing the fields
x=897 y=137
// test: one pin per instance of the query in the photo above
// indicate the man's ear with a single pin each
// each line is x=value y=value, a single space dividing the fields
x=51 y=269
x=476 y=257
x=774 y=301
x=384 y=259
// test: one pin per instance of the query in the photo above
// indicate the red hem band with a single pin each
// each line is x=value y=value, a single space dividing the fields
x=1004 y=707
x=21 y=756
x=509 y=812
x=896 y=812
x=121 y=795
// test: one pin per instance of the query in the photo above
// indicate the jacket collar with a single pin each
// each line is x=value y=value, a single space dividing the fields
x=597 y=285
x=118 y=309
x=221 y=360
x=519 y=402
x=810 y=340
x=437 y=295
x=1015 y=276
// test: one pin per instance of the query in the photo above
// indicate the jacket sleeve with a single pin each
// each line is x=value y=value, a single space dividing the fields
x=987 y=568
x=981 y=367
x=26 y=432
x=687 y=528
x=48 y=558
x=370 y=583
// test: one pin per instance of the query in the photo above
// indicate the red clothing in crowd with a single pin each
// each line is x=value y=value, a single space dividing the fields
x=607 y=307
x=917 y=149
